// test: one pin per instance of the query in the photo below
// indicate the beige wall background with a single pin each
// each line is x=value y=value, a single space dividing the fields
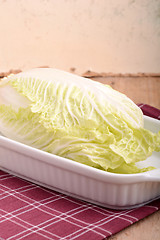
x=120 y=36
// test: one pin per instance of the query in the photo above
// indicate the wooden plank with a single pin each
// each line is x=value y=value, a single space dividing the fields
x=147 y=228
x=139 y=89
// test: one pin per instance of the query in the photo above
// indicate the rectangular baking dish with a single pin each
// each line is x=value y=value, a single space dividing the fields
x=116 y=191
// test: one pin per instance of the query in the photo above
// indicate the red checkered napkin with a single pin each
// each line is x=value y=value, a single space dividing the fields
x=28 y=211
x=150 y=111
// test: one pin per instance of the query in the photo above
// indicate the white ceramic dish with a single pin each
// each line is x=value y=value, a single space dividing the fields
x=119 y=191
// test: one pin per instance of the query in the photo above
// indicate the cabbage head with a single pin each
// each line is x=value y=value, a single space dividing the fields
x=76 y=118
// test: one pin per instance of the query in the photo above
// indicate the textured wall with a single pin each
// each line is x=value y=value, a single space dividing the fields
x=101 y=35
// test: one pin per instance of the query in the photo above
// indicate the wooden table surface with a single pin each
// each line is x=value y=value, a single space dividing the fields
x=140 y=90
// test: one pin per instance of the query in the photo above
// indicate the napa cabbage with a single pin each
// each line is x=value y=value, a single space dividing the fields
x=76 y=118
